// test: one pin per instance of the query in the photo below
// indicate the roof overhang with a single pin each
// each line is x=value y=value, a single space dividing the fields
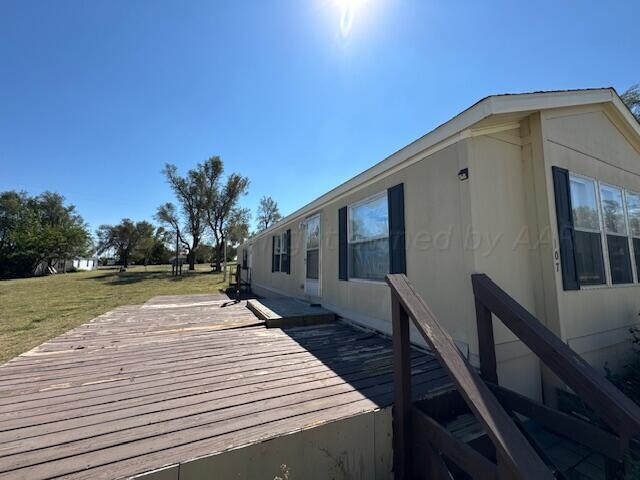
x=460 y=127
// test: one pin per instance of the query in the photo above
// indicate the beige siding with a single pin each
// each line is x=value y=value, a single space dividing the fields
x=502 y=245
x=589 y=141
x=436 y=206
x=500 y=222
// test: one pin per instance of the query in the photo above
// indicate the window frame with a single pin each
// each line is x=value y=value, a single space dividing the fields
x=601 y=232
x=277 y=246
x=315 y=217
x=606 y=233
x=634 y=266
x=283 y=250
x=350 y=208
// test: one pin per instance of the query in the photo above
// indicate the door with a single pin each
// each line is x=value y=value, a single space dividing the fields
x=312 y=256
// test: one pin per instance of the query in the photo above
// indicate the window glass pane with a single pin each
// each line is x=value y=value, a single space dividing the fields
x=369 y=220
x=283 y=243
x=633 y=209
x=277 y=263
x=583 y=202
x=619 y=259
x=612 y=211
x=369 y=260
x=313 y=263
x=276 y=248
x=589 y=261
x=313 y=233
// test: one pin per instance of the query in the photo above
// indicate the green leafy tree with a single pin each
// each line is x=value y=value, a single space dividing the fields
x=238 y=226
x=268 y=213
x=18 y=225
x=62 y=233
x=161 y=252
x=167 y=214
x=190 y=191
x=632 y=99
x=124 y=238
x=152 y=247
x=222 y=201
x=36 y=230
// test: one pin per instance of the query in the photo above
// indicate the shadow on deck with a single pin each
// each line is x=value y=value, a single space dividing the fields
x=176 y=386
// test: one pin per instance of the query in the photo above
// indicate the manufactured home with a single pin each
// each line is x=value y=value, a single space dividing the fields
x=539 y=191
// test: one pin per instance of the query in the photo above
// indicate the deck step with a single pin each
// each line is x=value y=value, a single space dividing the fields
x=465 y=428
x=571 y=459
x=289 y=312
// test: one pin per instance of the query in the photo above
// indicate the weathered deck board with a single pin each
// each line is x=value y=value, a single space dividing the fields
x=289 y=312
x=181 y=377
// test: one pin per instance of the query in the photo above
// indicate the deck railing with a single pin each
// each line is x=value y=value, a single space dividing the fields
x=615 y=409
x=516 y=458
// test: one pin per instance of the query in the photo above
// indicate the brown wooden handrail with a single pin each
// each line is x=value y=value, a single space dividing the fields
x=618 y=411
x=516 y=457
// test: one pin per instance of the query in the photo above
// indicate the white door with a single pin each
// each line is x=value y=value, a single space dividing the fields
x=312 y=256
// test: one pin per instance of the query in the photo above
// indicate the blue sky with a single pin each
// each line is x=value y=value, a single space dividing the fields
x=96 y=96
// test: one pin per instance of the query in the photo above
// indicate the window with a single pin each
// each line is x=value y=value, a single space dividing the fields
x=633 y=213
x=277 y=243
x=312 y=245
x=587 y=232
x=280 y=257
x=368 y=238
x=244 y=258
x=617 y=237
x=284 y=253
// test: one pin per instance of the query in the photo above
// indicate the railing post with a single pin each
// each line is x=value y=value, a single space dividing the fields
x=486 y=343
x=402 y=391
x=616 y=470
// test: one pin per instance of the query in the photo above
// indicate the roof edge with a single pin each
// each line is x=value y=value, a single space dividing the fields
x=484 y=108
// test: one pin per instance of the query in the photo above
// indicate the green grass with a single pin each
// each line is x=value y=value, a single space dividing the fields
x=34 y=310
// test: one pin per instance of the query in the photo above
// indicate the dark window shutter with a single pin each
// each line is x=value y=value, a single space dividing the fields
x=397 y=251
x=564 y=216
x=288 y=261
x=343 y=266
x=273 y=254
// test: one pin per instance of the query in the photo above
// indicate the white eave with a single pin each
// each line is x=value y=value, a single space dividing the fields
x=458 y=128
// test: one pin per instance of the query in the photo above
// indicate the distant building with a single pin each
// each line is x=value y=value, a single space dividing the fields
x=60 y=266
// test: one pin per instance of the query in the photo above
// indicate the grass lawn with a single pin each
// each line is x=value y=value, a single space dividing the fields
x=33 y=310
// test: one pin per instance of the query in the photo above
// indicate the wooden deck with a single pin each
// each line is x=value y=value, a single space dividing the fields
x=289 y=312
x=147 y=386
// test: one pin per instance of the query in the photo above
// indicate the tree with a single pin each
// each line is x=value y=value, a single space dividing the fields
x=124 y=238
x=222 y=201
x=16 y=219
x=63 y=233
x=192 y=196
x=152 y=249
x=161 y=252
x=167 y=214
x=238 y=226
x=632 y=99
x=268 y=213
x=38 y=229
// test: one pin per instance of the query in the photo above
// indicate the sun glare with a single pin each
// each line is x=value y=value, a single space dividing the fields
x=348 y=11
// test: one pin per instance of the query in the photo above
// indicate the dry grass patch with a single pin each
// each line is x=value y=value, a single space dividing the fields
x=33 y=310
